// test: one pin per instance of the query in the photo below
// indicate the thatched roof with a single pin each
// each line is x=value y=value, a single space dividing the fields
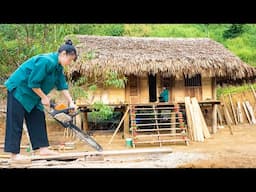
x=168 y=56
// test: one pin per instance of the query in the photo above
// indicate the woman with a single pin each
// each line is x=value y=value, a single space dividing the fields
x=27 y=90
x=164 y=95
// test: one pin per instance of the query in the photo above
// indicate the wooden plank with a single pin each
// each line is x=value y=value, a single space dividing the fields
x=21 y=147
x=239 y=113
x=250 y=111
x=247 y=113
x=5 y=156
x=66 y=156
x=201 y=118
x=193 y=122
x=189 y=118
x=198 y=120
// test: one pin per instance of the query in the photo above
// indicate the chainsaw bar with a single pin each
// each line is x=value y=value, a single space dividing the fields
x=66 y=121
x=85 y=137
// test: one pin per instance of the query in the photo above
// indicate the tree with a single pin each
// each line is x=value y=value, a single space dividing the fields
x=233 y=31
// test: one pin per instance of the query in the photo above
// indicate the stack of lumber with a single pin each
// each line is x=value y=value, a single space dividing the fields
x=195 y=120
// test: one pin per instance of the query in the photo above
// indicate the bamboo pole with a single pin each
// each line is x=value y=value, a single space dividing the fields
x=228 y=119
x=246 y=113
x=232 y=107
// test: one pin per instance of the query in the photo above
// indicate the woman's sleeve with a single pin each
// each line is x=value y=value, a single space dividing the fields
x=38 y=73
x=61 y=83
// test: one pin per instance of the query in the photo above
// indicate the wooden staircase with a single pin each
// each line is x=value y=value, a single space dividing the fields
x=158 y=124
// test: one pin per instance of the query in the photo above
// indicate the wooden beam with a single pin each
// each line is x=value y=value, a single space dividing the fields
x=132 y=151
x=214 y=118
x=214 y=108
x=85 y=122
x=126 y=132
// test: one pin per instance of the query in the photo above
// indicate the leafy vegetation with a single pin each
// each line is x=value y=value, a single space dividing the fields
x=18 y=42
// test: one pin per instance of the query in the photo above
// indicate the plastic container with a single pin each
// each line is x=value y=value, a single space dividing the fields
x=128 y=142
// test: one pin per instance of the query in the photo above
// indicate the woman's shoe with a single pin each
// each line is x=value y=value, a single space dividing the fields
x=20 y=159
x=45 y=151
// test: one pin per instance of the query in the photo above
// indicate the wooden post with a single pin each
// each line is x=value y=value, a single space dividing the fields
x=214 y=109
x=126 y=125
x=85 y=122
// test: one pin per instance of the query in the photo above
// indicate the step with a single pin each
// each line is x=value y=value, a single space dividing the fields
x=161 y=141
x=156 y=108
x=148 y=124
x=161 y=135
x=160 y=129
x=158 y=118
x=153 y=113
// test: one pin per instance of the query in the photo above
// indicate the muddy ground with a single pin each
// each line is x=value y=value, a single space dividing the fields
x=222 y=150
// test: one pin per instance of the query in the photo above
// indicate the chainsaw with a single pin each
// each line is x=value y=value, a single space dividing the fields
x=64 y=115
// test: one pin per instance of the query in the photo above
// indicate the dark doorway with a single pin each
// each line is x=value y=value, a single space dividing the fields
x=152 y=88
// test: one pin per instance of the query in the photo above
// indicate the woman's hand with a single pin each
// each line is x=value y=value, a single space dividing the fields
x=45 y=101
x=72 y=105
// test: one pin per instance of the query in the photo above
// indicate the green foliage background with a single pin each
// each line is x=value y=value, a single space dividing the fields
x=18 y=42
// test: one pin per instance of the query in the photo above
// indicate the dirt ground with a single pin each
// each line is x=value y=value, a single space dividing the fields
x=222 y=150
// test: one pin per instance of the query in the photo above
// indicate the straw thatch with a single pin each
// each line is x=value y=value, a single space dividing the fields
x=167 y=56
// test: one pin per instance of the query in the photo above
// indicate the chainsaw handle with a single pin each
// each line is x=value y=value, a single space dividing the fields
x=66 y=110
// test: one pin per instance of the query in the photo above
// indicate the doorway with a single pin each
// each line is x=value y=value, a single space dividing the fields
x=152 y=88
